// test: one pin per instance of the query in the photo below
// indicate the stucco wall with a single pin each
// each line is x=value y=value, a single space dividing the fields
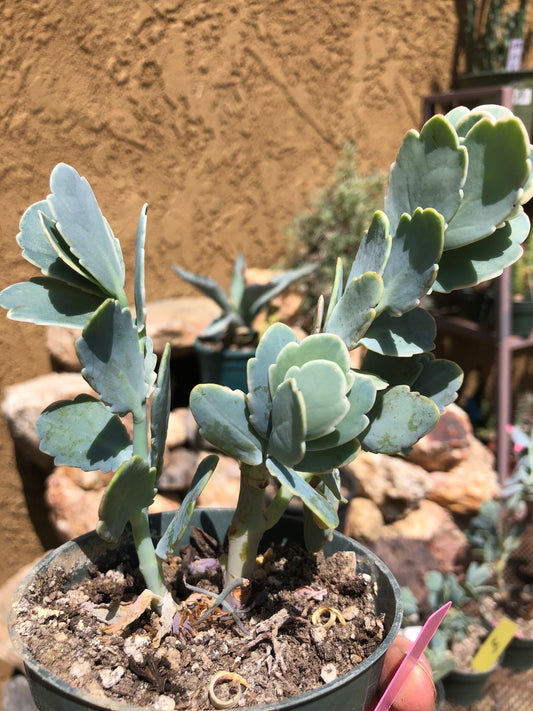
x=224 y=116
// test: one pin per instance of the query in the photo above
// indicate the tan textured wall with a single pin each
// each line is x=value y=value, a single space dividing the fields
x=225 y=116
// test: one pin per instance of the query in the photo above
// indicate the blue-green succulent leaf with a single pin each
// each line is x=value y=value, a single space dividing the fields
x=462 y=119
x=315 y=534
x=398 y=420
x=129 y=491
x=238 y=281
x=405 y=335
x=484 y=259
x=296 y=484
x=356 y=310
x=36 y=247
x=140 y=289
x=395 y=371
x=498 y=167
x=66 y=255
x=150 y=363
x=49 y=302
x=83 y=433
x=439 y=380
x=319 y=346
x=257 y=296
x=325 y=460
x=361 y=399
x=336 y=292
x=374 y=250
x=429 y=171
x=35 y=239
x=413 y=262
x=169 y=542
x=323 y=387
x=207 y=286
x=287 y=441
x=112 y=362
x=222 y=418
x=330 y=484
x=85 y=229
x=159 y=413
x=259 y=402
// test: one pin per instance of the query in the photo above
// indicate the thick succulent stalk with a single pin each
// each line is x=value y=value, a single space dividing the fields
x=248 y=524
x=150 y=565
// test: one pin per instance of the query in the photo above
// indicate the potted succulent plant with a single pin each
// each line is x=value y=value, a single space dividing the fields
x=460 y=634
x=228 y=342
x=452 y=217
x=495 y=536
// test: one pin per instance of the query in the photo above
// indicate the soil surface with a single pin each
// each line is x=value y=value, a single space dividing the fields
x=275 y=648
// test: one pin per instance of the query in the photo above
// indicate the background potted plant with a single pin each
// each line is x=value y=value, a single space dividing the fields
x=305 y=411
x=495 y=535
x=228 y=342
x=460 y=634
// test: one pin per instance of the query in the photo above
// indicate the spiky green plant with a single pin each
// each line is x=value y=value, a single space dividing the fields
x=242 y=304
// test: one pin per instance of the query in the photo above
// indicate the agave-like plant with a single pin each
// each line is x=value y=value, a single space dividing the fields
x=243 y=302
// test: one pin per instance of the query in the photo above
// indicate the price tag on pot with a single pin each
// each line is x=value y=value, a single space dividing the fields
x=492 y=648
x=412 y=657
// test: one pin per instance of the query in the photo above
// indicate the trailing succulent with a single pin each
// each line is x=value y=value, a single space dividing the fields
x=452 y=218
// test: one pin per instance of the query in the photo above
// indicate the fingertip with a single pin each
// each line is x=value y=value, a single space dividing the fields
x=418 y=693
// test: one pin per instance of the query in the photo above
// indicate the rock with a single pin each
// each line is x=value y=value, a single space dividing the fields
x=435 y=526
x=177 y=320
x=423 y=523
x=466 y=486
x=393 y=484
x=73 y=498
x=178 y=470
x=447 y=445
x=223 y=489
x=24 y=402
x=363 y=520
x=177 y=427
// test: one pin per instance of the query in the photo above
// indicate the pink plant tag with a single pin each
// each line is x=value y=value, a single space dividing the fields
x=413 y=655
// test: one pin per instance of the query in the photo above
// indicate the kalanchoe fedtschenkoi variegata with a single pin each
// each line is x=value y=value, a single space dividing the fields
x=452 y=218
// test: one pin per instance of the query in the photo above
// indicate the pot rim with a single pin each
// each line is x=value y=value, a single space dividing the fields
x=73 y=548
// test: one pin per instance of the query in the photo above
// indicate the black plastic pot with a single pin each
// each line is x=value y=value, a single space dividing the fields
x=465 y=688
x=225 y=367
x=350 y=692
x=519 y=654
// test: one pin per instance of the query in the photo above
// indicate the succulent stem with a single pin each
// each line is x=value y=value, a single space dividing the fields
x=248 y=524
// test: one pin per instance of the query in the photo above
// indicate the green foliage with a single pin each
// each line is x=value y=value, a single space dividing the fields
x=333 y=225
x=488 y=32
x=442 y=588
x=244 y=302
